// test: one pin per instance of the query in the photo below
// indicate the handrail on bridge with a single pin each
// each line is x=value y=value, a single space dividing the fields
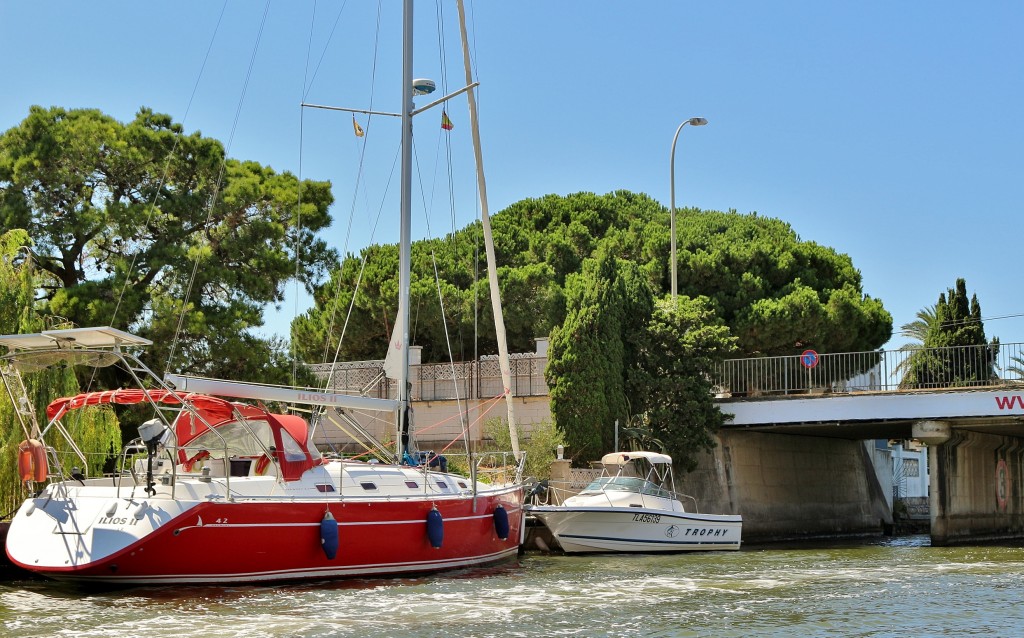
x=878 y=370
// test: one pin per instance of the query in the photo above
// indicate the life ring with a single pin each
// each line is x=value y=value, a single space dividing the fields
x=198 y=456
x=32 y=465
x=262 y=464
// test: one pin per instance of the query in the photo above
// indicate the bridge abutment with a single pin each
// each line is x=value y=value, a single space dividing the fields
x=791 y=487
x=977 y=488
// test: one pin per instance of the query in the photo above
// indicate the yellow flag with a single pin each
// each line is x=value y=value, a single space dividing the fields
x=355 y=126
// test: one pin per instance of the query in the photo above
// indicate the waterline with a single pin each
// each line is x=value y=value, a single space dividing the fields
x=897 y=588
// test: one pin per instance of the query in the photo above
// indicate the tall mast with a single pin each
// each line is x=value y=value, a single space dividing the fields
x=492 y=268
x=405 y=235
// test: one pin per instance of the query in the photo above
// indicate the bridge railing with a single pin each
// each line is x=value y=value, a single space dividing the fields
x=435 y=382
x=880 y=370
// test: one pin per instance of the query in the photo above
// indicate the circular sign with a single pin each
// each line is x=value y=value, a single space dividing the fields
x=809 y=359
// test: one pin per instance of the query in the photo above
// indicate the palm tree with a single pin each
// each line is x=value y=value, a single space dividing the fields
x=916 y=330
x=1017 y=366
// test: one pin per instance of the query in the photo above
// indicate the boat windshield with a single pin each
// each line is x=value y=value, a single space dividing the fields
x=238 y=440
x=627 y=484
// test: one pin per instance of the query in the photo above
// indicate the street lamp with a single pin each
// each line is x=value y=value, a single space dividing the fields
x=693 y=121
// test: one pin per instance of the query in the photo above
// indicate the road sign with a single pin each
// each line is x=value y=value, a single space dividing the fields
x=809 y=359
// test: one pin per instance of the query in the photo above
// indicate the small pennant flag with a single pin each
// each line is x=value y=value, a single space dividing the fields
x=446 y=124
x=355 y=126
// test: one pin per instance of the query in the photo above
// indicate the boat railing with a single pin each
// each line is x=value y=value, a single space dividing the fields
x=98 y=347
x=500 y=467
x=680 y=497
x=578 y=478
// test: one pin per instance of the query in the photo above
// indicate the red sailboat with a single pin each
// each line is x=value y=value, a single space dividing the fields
x=218 y=490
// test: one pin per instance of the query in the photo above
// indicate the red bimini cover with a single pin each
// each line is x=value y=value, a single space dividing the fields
x=215 y=412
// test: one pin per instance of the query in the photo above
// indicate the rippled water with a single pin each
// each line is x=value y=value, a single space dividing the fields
x=896 y=588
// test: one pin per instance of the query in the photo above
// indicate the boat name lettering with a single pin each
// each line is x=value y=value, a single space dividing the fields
x=705 y=531
x=110 y=520
x=647 y=518
x=319 y=398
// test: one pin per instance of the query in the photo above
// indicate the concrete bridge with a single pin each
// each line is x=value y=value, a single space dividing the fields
x=799 y=463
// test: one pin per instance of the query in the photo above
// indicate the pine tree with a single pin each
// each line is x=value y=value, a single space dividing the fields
x=955 y=351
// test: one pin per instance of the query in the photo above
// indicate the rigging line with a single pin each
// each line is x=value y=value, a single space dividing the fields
x=970 y=320
x=437 y=283
x=309 y=51
x=167 y=162
x=163 y=177
x=306 y=88
x=216 y=189
x=298 y=248
x=440 y=46
x=481 y=413
x=446 y=134
x=352 y=214
x=359 y=278
x=298 y=208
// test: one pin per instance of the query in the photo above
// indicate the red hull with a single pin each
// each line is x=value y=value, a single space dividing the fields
x=278 y=541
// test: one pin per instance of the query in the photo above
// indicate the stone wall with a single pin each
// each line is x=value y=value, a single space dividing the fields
x=437 y=424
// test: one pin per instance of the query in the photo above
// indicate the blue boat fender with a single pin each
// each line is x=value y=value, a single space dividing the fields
x=435 y=528
x=329 y=535
x=501 y=522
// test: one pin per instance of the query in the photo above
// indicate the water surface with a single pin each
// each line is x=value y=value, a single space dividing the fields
x=899 y=587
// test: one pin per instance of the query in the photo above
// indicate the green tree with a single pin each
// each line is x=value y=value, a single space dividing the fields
x=135 y=222
x=956 y=351
x=778 y=295
x=533 y=302
x=672 y=382
x=95 y=430
x=586 y=367
x=618 y=342
x=917 y=331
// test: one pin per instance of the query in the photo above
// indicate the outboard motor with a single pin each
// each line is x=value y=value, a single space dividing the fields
x=154 y=434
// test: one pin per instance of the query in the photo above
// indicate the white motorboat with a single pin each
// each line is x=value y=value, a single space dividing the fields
x=633 y=507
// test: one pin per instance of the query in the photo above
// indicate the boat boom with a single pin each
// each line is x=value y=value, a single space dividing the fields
x=240 y=390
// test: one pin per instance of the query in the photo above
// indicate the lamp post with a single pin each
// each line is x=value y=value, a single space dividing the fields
x=693 y=121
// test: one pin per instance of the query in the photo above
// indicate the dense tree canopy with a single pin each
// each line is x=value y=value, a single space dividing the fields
x=532 y=299
x=778 y=295
x=132 y=222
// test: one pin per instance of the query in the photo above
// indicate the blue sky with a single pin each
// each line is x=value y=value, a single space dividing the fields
x=890 y=131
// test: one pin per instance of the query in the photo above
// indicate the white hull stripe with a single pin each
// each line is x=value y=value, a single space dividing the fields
x=417 y=521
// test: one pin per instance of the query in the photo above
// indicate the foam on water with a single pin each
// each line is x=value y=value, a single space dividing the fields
x=865 y=590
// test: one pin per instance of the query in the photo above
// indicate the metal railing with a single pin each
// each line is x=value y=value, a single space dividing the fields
x=880 y=370
x=441 y=381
